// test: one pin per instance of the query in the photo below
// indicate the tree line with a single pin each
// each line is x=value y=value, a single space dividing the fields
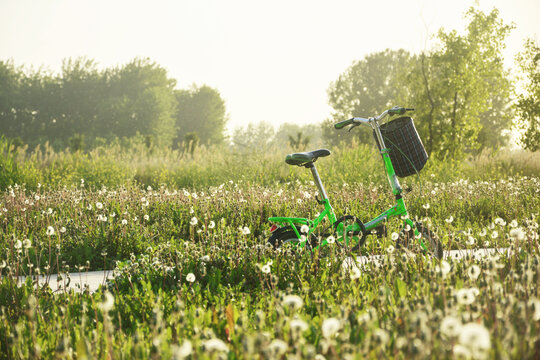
x=462 y=93
x=460 y=89
x=84 y=106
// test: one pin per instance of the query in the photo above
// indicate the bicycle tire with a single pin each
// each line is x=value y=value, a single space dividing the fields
x=287 y=235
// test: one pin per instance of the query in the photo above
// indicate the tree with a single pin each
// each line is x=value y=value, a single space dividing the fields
x=254 y=137
x=10 y=94
x=528 y=103
x=201 y=110
x=460 y=89
x=366 y=88
x=140 y=99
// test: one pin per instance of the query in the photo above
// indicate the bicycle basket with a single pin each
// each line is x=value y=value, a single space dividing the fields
x=407 y=152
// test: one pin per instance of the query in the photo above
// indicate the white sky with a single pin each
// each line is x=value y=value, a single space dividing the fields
x=271 y=60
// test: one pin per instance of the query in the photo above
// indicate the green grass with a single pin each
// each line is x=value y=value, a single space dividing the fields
x=191 y=258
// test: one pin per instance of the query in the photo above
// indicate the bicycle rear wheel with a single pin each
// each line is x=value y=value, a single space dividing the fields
x=287 y=236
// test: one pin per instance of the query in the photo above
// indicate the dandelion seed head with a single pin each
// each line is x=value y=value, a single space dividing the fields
x=330 y=327
x=190 y=277
x=293 y=301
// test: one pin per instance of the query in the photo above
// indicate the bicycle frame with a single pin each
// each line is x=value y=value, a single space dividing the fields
x=397 y=210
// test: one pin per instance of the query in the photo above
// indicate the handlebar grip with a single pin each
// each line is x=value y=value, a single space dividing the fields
x=342 y=124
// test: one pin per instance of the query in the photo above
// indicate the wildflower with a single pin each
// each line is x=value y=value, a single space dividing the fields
x=475 y=338
x=330 y=239
x=3 y=264
x=278 y=347
x=483 y=232
x=425 y=206
x=49 y=211
x=466 y=296
x=471 y=241
x=474 y=272
x=205 y=258
x=355 y=273
x=450 y=327
x=212 y=224
x=99 y=205
x=517 y=234
x=299 y=325
x=102 y=218
x=146 y=217
x=124 y=222
x=50 y=231
x=390 y=249
x=381 y=336
x=182 y=351
x=499 y=221
x=215 y=345
x=513 y=224
x=449 y=220
x=246 y=231
x=18 y=244
x=27 y=243
x=193 y=221
x=293 y=301
x=190 y=277
x=63 y=229
x=266 y=269
x=107 y=303
x=395 y=236
x=494 y=234
x=330 y=327
x=304 y=229
x=443 y=269
x=534 y=303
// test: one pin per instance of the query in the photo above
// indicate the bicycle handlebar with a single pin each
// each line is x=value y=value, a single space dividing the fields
x=396 y=110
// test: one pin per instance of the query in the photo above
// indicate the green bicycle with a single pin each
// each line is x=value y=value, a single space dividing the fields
x=404 y=156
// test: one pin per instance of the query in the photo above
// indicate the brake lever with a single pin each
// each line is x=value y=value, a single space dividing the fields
x=353 y=126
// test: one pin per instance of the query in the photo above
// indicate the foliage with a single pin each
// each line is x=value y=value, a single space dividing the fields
x=458 y=84
x=365 y=89
x=528 y=105
x=460 y=89
x=201 y=110
x=82 y=101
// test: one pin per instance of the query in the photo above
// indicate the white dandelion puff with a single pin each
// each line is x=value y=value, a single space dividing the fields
x=330 y=327
x=193 y=221
x=475 y=337
x=304 y=229
x=450 y=327
x=190 y=277
x=473 y=272
x=50 y=231
x=293 y=301
x=215 y=345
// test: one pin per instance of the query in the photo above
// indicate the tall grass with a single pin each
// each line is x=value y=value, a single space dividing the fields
x=212 y=166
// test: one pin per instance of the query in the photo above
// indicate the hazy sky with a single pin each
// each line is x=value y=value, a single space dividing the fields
x=271 y=60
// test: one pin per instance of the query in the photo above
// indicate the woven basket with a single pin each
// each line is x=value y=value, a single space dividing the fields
x=407 y=152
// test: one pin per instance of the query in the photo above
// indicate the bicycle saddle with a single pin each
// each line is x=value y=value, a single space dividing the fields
x=305 y=158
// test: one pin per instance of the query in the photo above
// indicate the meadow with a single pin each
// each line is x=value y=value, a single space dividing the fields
x=186 y=236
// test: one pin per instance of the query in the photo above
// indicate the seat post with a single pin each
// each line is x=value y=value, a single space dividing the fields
x=318 y=181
